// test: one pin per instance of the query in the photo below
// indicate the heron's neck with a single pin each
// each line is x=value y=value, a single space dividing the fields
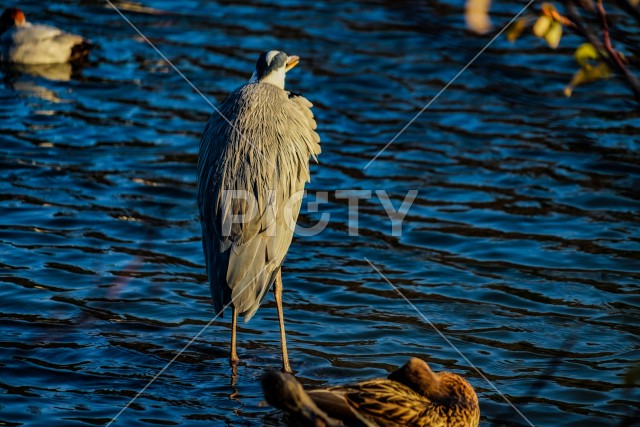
x=275 y=78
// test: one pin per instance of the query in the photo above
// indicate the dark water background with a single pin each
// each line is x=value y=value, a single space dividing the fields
x=522 y=246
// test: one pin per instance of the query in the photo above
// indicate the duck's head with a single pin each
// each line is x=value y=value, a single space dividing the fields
x=11 y=17
x=272 y=67
x=445 y=387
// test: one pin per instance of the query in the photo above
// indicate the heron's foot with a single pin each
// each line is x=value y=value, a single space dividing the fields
x=234 y=360
x=286 y=368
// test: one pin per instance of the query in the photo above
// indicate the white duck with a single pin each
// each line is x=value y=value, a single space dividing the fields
x=25 y=43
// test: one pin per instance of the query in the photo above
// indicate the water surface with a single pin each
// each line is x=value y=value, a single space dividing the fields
x=521 y=247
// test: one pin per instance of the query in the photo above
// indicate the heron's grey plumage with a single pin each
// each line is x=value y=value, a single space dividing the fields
x=265 y=151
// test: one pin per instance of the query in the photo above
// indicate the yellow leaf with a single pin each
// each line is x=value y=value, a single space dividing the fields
x=584 y=53
x=554 y=35
x=541 y=27
x=477 y=16
x=515 y=29
x=585 y=75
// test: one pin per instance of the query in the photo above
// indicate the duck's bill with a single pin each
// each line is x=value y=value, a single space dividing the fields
x=292 y=61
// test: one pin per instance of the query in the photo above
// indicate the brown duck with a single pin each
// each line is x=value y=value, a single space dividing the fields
x=411 y=396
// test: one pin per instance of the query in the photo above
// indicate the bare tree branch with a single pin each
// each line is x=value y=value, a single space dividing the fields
x=608 y=53
x=614 y=54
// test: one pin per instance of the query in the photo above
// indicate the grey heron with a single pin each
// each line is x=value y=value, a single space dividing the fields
x=253 y=164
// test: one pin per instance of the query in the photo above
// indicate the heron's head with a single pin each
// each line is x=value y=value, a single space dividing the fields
x=11 y=17
x=272 y=67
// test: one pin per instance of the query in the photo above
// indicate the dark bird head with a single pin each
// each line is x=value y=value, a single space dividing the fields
x=417 y=375
x=272 y=67
x=284 y=392
x=444 y=388
x=11 y=17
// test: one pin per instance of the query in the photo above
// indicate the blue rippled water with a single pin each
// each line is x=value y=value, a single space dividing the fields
x=522 y=246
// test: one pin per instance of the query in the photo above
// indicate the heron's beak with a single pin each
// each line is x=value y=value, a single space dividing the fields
x=292 y=61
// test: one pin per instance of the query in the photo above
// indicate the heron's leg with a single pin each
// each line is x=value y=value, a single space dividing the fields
x=283 y=339
x=233 y=355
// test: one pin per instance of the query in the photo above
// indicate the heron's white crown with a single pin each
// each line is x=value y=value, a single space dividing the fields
x=271 y=68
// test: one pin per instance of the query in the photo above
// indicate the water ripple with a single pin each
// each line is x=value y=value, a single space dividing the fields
x=521 y=246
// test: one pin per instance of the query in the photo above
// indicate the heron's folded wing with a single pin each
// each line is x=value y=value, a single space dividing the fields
x=250 y=172
x=307 y=122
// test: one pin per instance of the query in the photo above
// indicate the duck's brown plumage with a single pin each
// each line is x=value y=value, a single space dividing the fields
x=412 y=396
